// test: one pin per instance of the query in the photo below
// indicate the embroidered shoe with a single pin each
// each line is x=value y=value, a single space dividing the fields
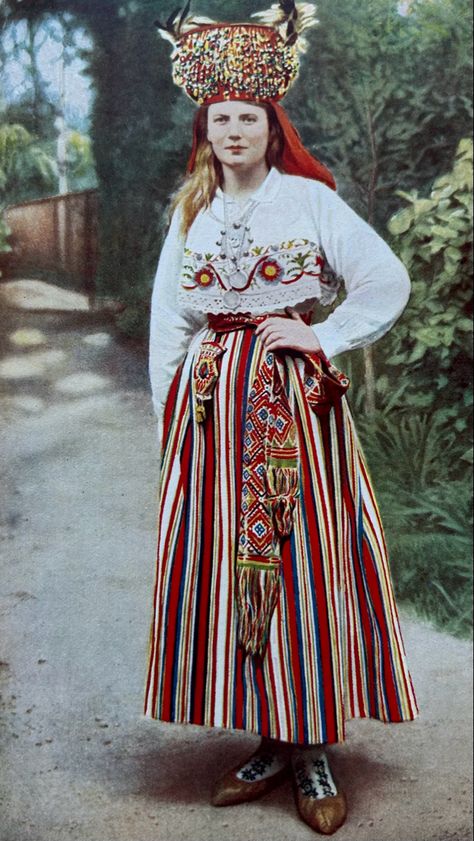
x=261 y=773
x=320 y=803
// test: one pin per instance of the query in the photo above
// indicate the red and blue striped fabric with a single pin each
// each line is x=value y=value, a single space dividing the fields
x=335 y=650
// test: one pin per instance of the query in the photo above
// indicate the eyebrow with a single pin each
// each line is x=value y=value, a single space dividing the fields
x=246 y=114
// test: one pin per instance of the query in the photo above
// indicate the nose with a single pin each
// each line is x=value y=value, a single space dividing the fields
x=234 y=131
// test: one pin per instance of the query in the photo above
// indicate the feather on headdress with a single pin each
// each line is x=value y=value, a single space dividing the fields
x=291 y=20
x=180 y=22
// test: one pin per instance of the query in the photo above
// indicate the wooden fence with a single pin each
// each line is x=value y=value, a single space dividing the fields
x=56 y=237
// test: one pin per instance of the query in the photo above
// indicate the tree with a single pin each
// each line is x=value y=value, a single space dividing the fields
x=392 y=95
x=37 y=104
x=80 y=162
x=32 y=108
x=25 y=168
x=391 y=99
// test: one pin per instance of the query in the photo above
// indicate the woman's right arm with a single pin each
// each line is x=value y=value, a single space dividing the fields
x=171 y=327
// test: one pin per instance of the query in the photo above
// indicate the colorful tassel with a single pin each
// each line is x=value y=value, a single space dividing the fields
x=282 y=487
x=258 y=589
x=200 y=411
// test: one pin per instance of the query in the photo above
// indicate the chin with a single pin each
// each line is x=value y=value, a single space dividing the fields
x=235 y=162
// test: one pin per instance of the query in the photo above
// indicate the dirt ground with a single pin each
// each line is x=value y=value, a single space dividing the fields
x=79 y=762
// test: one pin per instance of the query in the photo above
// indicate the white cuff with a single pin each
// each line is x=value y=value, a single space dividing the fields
x=331 y=340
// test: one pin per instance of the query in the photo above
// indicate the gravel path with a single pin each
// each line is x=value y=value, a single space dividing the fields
x=78 y=541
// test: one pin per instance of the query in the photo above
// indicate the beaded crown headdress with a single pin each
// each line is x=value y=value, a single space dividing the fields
x=258 y=61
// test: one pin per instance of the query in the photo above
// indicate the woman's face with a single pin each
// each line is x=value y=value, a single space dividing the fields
x=238 y=133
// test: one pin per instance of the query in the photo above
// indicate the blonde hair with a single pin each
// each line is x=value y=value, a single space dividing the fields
x=199 y=187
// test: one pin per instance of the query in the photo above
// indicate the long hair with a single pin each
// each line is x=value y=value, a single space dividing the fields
x=199 y=187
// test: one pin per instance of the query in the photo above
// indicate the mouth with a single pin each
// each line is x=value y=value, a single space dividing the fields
x=235 y=148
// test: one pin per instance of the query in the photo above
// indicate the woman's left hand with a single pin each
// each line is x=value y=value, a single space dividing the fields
x=291 y=333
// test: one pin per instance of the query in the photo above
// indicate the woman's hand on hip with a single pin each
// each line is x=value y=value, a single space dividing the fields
x=292 y=333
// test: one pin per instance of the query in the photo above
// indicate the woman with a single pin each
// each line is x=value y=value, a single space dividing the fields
x=274 y=610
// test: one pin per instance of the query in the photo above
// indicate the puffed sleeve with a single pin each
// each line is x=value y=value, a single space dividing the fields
x=171 y=326
x=376 y=282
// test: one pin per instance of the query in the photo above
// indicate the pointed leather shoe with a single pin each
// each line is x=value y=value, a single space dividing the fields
x=325 y=815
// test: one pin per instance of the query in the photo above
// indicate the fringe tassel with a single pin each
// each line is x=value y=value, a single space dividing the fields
x=200 y=410
x=257 y=594
x=282 y=486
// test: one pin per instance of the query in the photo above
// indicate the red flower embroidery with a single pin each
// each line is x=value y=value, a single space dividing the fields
x=204 y=277
x=270 y=270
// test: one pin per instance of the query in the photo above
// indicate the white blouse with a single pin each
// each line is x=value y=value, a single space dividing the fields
x=302 y=242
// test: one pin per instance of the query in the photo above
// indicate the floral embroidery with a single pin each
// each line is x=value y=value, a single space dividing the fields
x=304 y=783
x=297 y=258
x=318 y=787
x=256 y=767
x=270 y=270
x=278 y=275
x=323 y=778
x=205 y=276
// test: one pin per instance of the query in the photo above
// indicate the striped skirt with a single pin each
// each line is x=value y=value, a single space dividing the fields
x=335 y=650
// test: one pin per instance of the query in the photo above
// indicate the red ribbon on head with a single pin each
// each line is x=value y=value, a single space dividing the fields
x=295 y=159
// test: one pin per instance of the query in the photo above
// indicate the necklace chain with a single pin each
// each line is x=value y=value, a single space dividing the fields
x=238 y=230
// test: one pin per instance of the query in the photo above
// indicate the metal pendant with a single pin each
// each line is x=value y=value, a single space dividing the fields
x=238 y=280
x=231 y=299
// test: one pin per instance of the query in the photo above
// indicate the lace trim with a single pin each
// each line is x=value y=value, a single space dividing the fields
x=257 y=302
x=271 y=276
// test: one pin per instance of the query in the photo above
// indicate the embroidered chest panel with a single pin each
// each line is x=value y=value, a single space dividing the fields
x=267 y=277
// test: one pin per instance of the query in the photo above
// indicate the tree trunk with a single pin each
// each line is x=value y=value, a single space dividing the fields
x=34 y=73
x=369 y=377
x=61 y=140
x=369 y=367
x=130 y=115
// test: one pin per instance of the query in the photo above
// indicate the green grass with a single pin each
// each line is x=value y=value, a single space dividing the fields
x=423 y=487
x=432 y=572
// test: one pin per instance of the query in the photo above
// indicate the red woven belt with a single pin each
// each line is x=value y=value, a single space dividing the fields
x=226 y=322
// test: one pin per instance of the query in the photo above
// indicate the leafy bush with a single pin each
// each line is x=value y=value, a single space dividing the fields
x=433 y=575
x=5 y=248
x=396 y=113
x=80 y=162
x=431 y=347
x=133 y=321
x=26 y=169
x=423 y=484
x=418 y=444
x=414 y=450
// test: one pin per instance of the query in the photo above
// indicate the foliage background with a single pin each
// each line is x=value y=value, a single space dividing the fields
x=384 y=98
